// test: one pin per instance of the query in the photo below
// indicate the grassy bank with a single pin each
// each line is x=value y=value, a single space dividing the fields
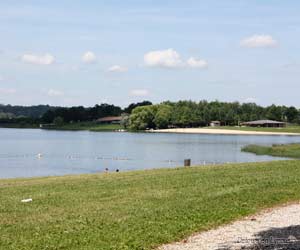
x=138 y=210
x=285 y=150
x=288 y=129
x=91 y=126
x=18 y=125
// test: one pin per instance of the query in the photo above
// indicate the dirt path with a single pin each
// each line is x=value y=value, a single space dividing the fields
x=277 y=228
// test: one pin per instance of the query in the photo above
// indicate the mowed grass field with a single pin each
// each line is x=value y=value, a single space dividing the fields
x=138 y=210
x=288 y=129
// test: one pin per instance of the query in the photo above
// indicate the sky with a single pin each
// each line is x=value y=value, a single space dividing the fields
x=71 y=52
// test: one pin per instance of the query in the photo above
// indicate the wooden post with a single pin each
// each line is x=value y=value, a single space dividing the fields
x=187 y=162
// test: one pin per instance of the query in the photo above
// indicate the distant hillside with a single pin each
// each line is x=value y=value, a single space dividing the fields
x=25 y=111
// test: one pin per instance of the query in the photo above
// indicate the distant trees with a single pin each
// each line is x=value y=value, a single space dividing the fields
x=132 y=106
x=77 y=114
x=58 y=121
x=25 y=111
x=143 y=115
x=192 y=114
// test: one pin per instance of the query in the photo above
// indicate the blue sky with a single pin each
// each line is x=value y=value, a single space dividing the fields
x=68 y=53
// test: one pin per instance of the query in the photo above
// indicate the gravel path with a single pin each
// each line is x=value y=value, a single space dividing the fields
x=277 y=228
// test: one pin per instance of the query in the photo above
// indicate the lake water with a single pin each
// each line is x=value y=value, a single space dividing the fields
x=68 y=152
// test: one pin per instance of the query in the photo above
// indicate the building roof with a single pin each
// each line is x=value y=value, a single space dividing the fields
x=110 y=119
x=261 y=122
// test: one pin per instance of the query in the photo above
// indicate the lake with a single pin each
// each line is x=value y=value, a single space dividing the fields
x=35 y=152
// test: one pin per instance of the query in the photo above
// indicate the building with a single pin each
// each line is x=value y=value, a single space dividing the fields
x=264 y=123
x=110 y=120
x=215 y=123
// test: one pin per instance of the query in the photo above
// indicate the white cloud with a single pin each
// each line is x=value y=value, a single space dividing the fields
x=250 y=99
x=117 y=68
x=194 y=63
x=6 y=91
x=259 y=41
x=55 y=93
x=139 y=92
x=163 y=58
x=89 y=57
x=170 y=58
x=46 y=59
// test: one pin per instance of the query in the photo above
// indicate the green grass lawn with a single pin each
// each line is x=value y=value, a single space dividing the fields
x=91 y=126
x=138 y=210
x=288 y=129
x=282 y=150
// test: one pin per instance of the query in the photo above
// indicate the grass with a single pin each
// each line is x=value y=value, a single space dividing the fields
x=138 y=210
x=18 y=125
x=288 y=129
x=282 y=150
x=91 y=126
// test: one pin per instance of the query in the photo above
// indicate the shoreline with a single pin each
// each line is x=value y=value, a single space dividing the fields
x=220 y=131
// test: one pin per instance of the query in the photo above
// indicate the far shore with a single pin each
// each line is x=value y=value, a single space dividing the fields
x=219 y=131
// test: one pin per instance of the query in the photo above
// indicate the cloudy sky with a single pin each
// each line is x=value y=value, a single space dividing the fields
x=71 y=52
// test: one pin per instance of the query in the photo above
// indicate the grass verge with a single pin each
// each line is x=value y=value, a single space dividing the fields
x=138 y=210
x=282 y=150
x=288 y=129
x=91 y=126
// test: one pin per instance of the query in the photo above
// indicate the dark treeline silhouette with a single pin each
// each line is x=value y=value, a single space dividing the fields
x=47 y=114
x=10 y=111
x=193 y=114
x=76 y=114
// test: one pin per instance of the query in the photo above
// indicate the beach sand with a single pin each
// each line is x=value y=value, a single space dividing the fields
x=219 y=131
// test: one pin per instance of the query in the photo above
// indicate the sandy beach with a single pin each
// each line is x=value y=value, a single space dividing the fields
x=219 y=131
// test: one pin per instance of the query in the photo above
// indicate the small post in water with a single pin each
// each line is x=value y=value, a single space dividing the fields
x=187 y=162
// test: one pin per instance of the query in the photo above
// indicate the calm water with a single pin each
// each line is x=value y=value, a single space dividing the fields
x=66 y=152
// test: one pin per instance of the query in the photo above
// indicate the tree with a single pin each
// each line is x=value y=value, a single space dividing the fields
x=292 y=115
x=163 y=116
x=58 y=121
x=142 y=118
x=132 y=106
x=125 y=120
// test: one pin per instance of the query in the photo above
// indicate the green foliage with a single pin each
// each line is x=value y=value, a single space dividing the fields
x=281 y=150
x=125 y=120
x=183 y=114
x=138 y=210
x=58 y=121
x=193 y=114
x=25 y=111
x=142 y=118
x=132 y=106
x=163 y=116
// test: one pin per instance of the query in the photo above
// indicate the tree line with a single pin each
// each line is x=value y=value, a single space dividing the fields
x=145 y=115
x=49 y=114
x=194 y=114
